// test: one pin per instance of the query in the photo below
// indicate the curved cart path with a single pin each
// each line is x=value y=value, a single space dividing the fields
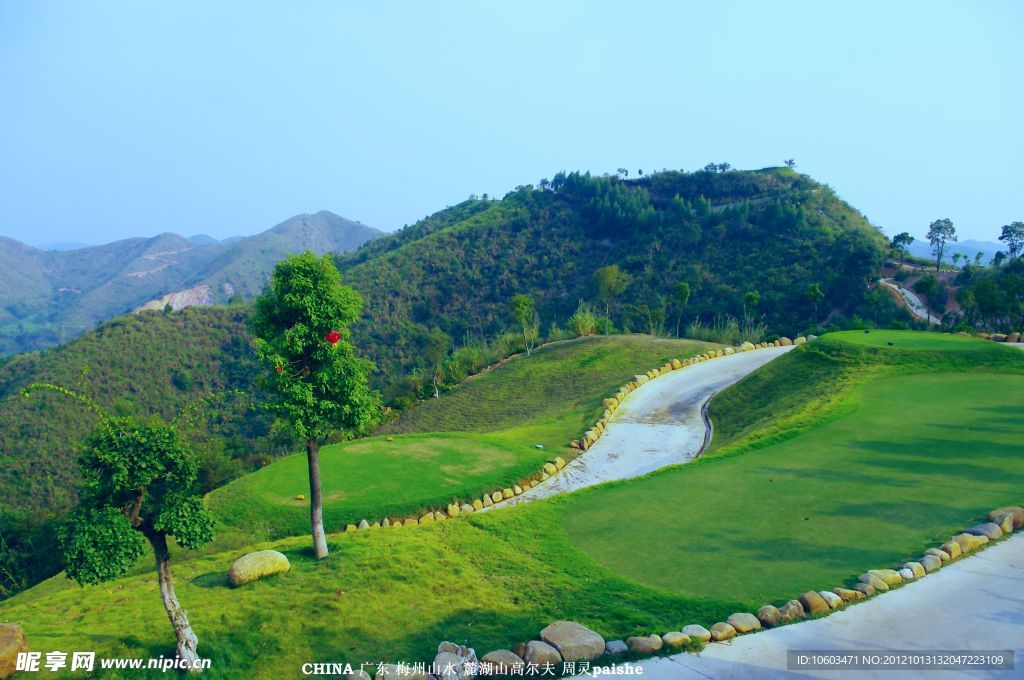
x=660 y=423
x=912 y=301
x=974 y=604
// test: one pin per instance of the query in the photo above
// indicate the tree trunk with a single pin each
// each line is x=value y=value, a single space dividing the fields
x=187 y=640
x=316 y=499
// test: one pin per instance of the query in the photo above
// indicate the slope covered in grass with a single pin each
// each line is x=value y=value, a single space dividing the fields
x=553 y=395
x=479 y=437
x=917 y=444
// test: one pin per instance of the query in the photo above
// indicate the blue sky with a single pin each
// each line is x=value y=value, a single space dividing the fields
x=125 y=118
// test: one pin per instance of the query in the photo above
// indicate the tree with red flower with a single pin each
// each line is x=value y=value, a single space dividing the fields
x=301 y=325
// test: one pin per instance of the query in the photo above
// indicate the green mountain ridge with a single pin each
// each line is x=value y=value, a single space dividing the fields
x=50 y=297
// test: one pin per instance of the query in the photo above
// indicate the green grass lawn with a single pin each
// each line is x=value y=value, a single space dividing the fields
x=475 y=439
x=370 y=479
x=912 y=340
x=892 y=451
x=914 y=460
x=552 y=396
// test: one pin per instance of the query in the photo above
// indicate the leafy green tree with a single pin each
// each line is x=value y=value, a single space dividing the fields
x=301 y=323
x=815 y=295
x=680 y=298
x=436 y=344
x=940 y=232
x=956 y=260
x=790 y=163
x=750 y=302
x=525 y=310
x=611 y=283
x=138 y=485
x=900 y=243
x=1013 y=236
x=998 y=259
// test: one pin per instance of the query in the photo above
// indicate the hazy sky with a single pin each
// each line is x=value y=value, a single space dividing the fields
x=125 y=118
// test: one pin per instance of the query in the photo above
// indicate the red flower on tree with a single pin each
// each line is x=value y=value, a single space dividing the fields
x=333 y=337
x=280 y=370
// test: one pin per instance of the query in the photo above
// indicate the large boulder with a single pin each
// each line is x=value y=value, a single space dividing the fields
x=930 y=563
x=791 y=611
x=743 y=622
x=697 y=632
x=644 y=644
x=989 y=529
x=615 y=648
x=454 y=662
x=969 y=542
x=722 y=631
x=256 y=565
x=831 y=599
x=746 y=346
x=941 y=554
x=866 y=589
x=573 y=641
x=873 y=581
x=785 y=342
x=953 y=548
x=916 y=569
x=540 y=653
x=848 y=595
x=813 y=603
x=769 y=615
x=12 y=643
x=890 y=577
x=675 y=639
x=503 y=662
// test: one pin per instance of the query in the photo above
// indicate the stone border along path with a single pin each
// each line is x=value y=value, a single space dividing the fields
x=983 y=612
x=662 y=422
x=606 y=465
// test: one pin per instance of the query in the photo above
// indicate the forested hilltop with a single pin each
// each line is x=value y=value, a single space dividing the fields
x=773 y=232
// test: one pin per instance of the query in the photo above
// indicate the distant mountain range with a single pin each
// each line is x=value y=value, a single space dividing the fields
x=970 y=248
x=48 y=297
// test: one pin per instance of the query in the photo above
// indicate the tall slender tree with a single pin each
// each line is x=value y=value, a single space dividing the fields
x=611 y=283
x=319 y=383
x=525 y=310
x=1013 y=236
x=680 y=298
x=900 y=243
x=940 y=232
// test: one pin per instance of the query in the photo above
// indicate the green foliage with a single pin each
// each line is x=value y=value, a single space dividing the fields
x=133 y=362
x=138 y=479
x=773 y=231
x=1013 y=236
x=940 y=232
x=320 y=386
x=583 y=322
x=99 y=544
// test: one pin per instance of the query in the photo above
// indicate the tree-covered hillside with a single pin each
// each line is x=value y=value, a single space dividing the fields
x=773 y=231
x=152 y=363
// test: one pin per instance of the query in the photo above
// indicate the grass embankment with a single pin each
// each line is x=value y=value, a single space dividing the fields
x=915 y=444
x=480 y=437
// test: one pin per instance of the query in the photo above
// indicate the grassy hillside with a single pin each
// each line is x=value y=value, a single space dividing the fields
x=49 y=298
x=772 y=231
x=867 y=486
x=480 y=437
x=149 y=363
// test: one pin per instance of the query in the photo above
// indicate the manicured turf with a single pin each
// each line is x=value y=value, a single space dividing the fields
x=916 y=459
x=915 y=445
x=553 y=396
x=369 y=479
x=909 y=340
x=493 y=423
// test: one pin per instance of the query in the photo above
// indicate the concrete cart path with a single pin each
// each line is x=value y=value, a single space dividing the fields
x=974 y=604
x=660 y=423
